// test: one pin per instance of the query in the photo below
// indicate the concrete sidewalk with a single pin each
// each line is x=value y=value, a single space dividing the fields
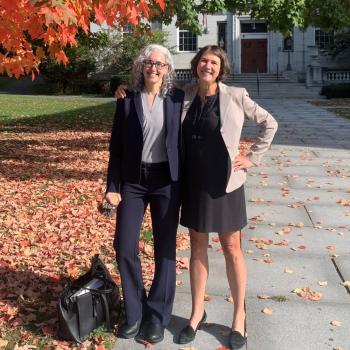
x=304 y=187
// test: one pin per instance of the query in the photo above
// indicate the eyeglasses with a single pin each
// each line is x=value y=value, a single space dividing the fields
x=157 y=64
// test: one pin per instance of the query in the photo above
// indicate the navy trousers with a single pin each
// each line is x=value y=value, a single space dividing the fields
x=163 y=196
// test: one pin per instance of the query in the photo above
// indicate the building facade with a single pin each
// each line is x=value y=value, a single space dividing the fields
x=252 y=48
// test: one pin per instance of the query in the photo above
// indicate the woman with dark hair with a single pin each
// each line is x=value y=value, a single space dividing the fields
x=214 y=173
x=143 y=169
x=213 y=176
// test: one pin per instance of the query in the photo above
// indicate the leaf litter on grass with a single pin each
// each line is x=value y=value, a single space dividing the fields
x=53 y=182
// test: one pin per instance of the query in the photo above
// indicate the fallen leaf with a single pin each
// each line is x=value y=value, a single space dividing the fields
x=344 y=202
x=263 y=296
x=284 y=243
x=148 y=249
x=258 y=259
x=100 y=347
x=12 y=311
x=267 y=311
x=257 y=218
x=287 y=229
x=331 y=247
x=73 y=271
x=148 y=345
x=229 y=299
x=256 y=200
x=207 y=297
x=3 y=343
x=307 y=293
x=336 y=323
x=183 y=263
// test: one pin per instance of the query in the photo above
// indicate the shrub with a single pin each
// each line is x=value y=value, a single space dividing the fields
x=336 y=91
x=117 y=80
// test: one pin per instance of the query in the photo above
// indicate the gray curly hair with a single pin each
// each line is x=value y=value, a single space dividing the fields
x=137 y=79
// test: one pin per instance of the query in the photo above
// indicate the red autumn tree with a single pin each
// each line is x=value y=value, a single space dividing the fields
x=33 y=29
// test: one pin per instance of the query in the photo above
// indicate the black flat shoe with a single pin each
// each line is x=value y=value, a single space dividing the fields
x=188 y=334
x=129 y=331
x=140 y=337
x=154 y=333
x=237 y=341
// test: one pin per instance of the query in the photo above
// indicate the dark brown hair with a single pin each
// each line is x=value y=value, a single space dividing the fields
x=217 y=51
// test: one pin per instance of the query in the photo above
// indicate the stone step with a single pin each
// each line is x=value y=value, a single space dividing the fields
x=271 y=87
x=252 y=81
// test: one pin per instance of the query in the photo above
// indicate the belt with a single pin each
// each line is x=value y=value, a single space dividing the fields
x=161 y=165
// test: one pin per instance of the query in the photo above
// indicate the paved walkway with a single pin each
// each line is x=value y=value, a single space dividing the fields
x=303 y=182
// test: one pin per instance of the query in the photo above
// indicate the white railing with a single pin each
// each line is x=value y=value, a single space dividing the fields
x=336 y=76
x=183 y=75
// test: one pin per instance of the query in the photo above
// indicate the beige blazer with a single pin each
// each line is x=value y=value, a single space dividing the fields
x=235 y=105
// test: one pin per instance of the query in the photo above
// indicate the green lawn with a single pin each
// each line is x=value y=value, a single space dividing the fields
x=333 y=102
x=62 y=141
x=340 y=106
x=56 y=112
x=344 y=112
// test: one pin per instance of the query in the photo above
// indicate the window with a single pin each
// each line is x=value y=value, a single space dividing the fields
x=187 y=41
x=253 y=27
x=222 y=34
x=288 y=43
x=324 y=40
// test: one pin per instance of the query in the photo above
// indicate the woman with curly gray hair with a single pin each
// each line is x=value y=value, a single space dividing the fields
x=137 y=76
x=143 y=170
x=214 y=173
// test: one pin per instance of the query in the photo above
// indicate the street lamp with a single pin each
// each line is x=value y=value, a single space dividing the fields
x=288 y=47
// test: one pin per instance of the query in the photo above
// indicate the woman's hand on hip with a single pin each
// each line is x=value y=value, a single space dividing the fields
x=113 y=198
x=120 y=92
x=242 y=162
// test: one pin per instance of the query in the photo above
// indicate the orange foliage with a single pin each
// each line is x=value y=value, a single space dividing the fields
x=29 y=29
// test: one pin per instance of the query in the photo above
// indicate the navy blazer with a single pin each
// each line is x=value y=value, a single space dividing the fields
x=127 y=139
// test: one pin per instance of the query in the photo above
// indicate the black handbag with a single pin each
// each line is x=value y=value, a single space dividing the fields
x=87 y=303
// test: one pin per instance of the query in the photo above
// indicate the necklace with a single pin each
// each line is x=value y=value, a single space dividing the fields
x=201 y=110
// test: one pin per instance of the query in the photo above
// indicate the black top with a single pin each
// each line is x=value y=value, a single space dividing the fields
x=207 y=162
x=206 y=207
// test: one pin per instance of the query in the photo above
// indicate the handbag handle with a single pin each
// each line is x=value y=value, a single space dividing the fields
x=105 y=303
x=101 y=291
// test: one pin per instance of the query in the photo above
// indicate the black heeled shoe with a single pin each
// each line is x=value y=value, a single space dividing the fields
x=237 y=340
x=188 y=334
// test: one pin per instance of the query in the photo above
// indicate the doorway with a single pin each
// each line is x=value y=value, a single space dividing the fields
x=254 y=55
